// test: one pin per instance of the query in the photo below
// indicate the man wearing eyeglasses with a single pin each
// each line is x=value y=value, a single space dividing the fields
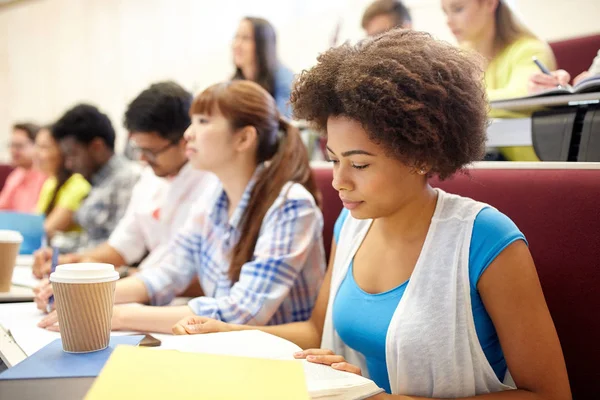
x=24 y=183
x=161 y=200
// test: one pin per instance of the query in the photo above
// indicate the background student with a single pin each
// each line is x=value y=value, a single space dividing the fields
x=491 y=29
x=256 y=246
x=430 y=294
x=161 y=201
x=382 y=15
x=87 y=139
x=23 y=185
x=255 y=58
x=63 y=191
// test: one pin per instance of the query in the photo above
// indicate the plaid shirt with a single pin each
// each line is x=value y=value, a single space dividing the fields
x=106 y=203
x=280 y=283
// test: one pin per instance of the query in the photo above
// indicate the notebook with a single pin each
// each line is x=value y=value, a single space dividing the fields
x=588 y=85
x=53 y=362
x=145 y=373
x=322 y=381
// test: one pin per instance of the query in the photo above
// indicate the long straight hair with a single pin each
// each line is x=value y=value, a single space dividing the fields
x=243 y=104
x=265 y=45
x=508 y=27
x=62 y=175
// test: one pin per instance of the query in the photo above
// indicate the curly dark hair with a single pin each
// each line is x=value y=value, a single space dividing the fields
x=85 y=122
x=421 y=99
x=162 y=108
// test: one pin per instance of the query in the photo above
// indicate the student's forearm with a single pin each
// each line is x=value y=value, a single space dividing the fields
x=148 y=318
x=131 y=290
x=104 y=253
x=304 y=334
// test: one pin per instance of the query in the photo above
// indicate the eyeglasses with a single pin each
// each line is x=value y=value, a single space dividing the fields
x=17 y=146
x=150 y=155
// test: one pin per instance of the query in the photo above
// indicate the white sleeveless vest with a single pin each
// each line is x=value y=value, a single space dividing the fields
x=432 y=349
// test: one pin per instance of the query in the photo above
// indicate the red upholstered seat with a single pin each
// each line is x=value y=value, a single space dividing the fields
x=332 y=205
x=576 y=55
x=5 y=170
x=558 y=210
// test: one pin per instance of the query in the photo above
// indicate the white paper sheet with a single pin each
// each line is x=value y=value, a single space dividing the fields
x=32 y=339
x=21 y=320
x=22 y=276
x=24 y=260
x=240 y=343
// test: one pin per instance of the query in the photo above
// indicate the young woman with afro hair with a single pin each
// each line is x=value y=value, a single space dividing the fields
x=429 y=294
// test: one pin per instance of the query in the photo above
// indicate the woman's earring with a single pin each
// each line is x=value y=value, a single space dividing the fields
x=422 y=171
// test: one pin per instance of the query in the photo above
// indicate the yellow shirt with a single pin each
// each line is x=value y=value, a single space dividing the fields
x=506 y=76
x=69 y=196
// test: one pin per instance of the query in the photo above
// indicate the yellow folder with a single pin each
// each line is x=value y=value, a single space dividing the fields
x=143 y=373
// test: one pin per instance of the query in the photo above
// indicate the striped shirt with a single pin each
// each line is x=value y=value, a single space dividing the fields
x=280 y=283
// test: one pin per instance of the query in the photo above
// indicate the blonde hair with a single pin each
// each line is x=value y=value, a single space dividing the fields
x=508 y=27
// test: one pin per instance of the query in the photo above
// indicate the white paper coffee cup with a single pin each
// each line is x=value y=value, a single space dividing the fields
x=84 y=296
x=10 y=242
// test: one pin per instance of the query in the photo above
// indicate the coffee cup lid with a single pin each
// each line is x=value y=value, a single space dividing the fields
x=7 y=236
x=84 y=273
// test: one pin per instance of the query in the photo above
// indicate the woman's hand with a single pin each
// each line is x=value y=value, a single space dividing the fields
x=196 y=325
x=50 y=322
x=41 y=262
x=540 y=81
x=41 y=294
x=328 y=357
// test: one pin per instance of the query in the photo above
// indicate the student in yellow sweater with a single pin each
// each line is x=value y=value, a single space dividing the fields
x=63 y=191
x=490 y=28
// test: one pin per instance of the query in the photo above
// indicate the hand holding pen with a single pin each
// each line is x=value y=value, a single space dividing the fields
x=545 y=79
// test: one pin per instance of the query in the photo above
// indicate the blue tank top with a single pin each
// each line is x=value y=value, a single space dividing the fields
x=362 y=319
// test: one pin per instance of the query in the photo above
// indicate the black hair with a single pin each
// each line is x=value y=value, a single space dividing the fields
x=162 y=108
x=85 y=123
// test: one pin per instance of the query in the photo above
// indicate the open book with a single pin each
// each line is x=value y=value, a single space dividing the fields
x=588 y=85
x=585 y=92
x=323 y=382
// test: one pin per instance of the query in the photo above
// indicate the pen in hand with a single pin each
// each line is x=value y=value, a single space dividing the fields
x=543 y=68
x=52 y=269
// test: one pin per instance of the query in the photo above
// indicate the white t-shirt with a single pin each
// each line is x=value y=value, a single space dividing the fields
x=158 y=208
